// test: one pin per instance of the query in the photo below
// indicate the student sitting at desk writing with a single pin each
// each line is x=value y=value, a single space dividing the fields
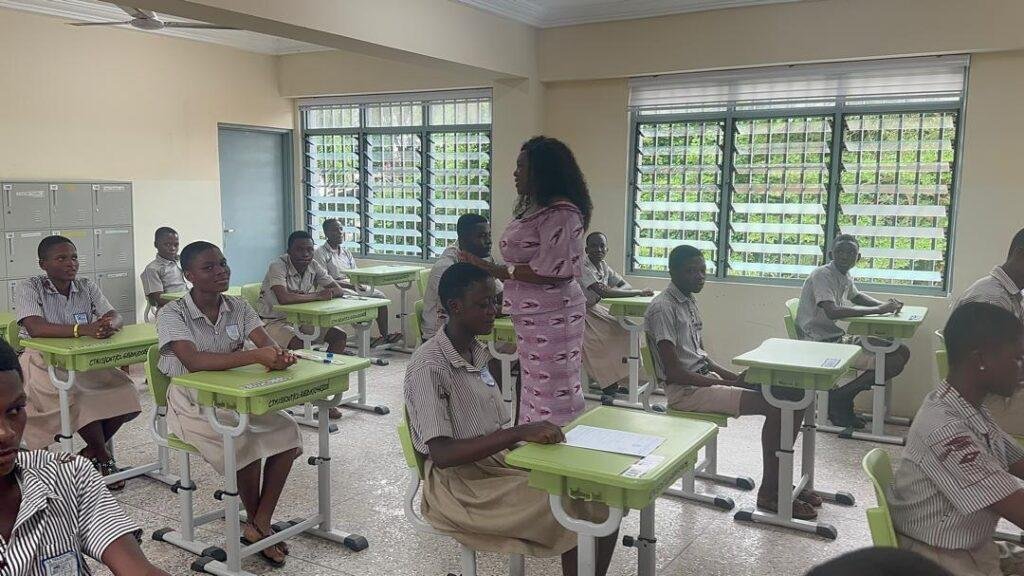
x=59 y=304
x=960 y=472
x=54 y=509
x=207 y=330
x=695 y=383
x=456 y=415
x=829 y=294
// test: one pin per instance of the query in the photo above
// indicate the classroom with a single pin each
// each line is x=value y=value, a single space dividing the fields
x=715 y=287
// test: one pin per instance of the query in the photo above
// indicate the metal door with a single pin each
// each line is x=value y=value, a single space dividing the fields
x=71 y=205
x=26 y=206
x=23 y=253
x=113 y=248
x=112 y=204
x=119 y=288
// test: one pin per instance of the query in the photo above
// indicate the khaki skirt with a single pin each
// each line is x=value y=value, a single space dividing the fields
x=96 y=395
x=605 y=344
x=490 y=507
x=267 y=434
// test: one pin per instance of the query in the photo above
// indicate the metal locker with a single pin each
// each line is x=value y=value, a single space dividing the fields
x=3 y=260
x=85 y=243
x=112 y=204
x=23 y=253
x=5 y=296
x=71 y=205
x=11 y=287
x=119 y=288
x=113 y=248
x=26 y=206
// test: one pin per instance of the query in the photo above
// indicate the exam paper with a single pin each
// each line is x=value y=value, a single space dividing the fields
x=615 y=441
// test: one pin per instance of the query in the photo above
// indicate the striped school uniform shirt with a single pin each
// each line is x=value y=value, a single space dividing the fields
x=163 y=275
x=998 y=289
x=448 y=396
x=182 y=320
x=954 y=466
x=282 y=273
x=36 y=296
x=66 y=511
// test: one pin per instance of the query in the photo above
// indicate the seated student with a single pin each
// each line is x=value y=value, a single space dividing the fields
x=335 y=258
x=695 y=383
x=163 y=274
x=455 y=418
x=959 y=472
x=829 y=294
x=207 y=330
x=54 y=508
x=605 y=341
x=1002 y=287
x=61 y=305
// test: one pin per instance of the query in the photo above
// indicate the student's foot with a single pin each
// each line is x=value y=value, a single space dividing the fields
x=846 y=420
x=334 y=413
x=811 y=498
x=107 y=468
x=801 y=510
x=273 y=555
x=393 y=338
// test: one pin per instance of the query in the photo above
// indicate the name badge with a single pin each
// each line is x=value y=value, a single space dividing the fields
x=82 y=318
x=65 y=564
x=485 y=375
x=233 y=332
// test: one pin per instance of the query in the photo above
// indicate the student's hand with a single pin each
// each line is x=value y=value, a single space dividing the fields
x=274 y=358
x=899 y=305
x=100 y=329
x=741 y=378
x=888 y=307
x=542 y=432
x=325 y=294
x=647 y=292
x=473 y=259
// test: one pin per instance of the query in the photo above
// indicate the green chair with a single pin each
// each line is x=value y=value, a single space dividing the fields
x=6 y=321
x=251 y=294
x=416 y=463
x=790 y=318
x=184 y=536
x=421 y=281
x=416 y=323
x=707 y=467
x=13 y=334
x=879 y=470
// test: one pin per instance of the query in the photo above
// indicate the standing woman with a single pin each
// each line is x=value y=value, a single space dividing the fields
x=543 y=247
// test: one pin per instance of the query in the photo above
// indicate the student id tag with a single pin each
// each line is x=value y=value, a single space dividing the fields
x=65 y=564
x=233 y=332
x=485 y=375
x=82 y=318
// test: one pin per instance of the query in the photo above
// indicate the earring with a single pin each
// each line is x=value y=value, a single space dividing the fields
x=981 y=368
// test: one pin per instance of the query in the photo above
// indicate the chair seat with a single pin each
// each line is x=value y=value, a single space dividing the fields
x=176 y=443
x=721 y=420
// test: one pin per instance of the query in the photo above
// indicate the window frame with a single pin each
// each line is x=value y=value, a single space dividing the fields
x=423 y=131
x=729 y=114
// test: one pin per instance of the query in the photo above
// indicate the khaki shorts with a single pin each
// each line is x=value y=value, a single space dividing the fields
x=983 y=561
x=281 y=332
x=865 y=360
x=708 y=399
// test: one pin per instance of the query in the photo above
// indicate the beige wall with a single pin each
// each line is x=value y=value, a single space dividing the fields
x=91 y=103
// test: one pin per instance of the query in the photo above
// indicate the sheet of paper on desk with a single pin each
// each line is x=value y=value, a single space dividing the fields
x=615 y=441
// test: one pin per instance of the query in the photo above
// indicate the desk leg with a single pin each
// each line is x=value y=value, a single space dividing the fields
x=358 y=401
x=633 y=399
x=232 y=566
x=646 y=543
x=807 y=462
x=64 y=438
x=403 y=307
x=304 y=414
x=508 y=387
x=587 y=533
x=879 y=399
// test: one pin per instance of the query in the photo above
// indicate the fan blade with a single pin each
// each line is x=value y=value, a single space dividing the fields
x=98 y=23
x=197 y=26
x=137 y=12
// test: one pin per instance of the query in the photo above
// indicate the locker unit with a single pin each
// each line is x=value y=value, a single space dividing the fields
x=5 y=297
x=71 y=205
x=83 y=239
x=114 y=248
x=112 y=204
x=23 y=252
x=119 y=288
x=10 y=285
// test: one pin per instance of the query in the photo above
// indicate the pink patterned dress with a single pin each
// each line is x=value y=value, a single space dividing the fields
x=549 y=319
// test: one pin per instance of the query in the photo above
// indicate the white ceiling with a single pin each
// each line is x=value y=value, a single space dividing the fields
x=96 y=11
x=550 y=13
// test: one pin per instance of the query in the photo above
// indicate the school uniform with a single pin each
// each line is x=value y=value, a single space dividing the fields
x=434 y=316
x=954 y=466
x=827 y=284
x=605 y=341
x=268 y=434
x=998 y=289
x=66 y=513
x=163 y=275
x=97 y=394
x=282 y=273
x=485 y=505
x=336 y=261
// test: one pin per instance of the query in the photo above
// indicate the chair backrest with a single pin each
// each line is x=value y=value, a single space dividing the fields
x=158 y=381
x=942 y=361
x=416 y=323
x=421 y=281
x=14 y=334
x=412 y=458
x=790 y=318
x=879 y=470
x=251 y=294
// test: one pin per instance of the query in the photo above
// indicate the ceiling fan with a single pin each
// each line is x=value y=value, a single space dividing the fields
x=147 y=20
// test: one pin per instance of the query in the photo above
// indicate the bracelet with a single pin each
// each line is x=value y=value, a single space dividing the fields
x=76 y=331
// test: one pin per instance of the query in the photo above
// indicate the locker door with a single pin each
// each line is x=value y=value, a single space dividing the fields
x=23 y=253
x=119 y=288
x=3 y=260
x=83 y=239
x=113 y=248
x=11 y=286
x=26 y=206
x=4 y=296
x=112 y=204
x=71 y=205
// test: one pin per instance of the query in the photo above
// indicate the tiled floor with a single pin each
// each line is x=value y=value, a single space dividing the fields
x=369 y=484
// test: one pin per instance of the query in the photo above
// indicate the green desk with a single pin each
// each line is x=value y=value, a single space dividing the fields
x=810 y=367
x=5 y=320
x=402 y=277
x=630 y=312
x=562 y=470
x=357 y=311
x=252 y=390
x=128 y=346
x=504 y=333
x=891 y=329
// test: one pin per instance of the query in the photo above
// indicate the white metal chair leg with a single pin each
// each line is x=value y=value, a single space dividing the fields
x=467 y=561
x=516 y=565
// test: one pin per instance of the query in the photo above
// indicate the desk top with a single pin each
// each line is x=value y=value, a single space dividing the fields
x=782 y=362
x=172 y=296
x=324 y=307
x=130 y=336
x=902 y=325
x=634 y=306
x=254 y=380
x=503 y=331
x=600 y=470
x=372 y=272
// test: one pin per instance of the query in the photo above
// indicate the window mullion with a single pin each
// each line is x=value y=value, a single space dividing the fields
x=426 y=225
x=364 y=183
x=725 y=192
x=834 y=183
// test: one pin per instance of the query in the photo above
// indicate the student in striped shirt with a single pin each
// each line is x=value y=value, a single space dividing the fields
x=959 y=472
x=54 y=508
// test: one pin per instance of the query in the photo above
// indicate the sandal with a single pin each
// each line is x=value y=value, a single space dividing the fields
x=394 y=338
x=811 y=498
x=801 y=510
x=267 y=553
x=106 y=469
x=377 y=341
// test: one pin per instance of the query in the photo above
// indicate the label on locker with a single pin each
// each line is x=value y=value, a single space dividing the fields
x=69 y=233
x=31 y=193
x=113 y=188
x=30 y=234
x=116 y=231
x=116 y=275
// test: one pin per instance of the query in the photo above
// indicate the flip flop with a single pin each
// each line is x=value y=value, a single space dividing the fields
x=263 y=553
x=811 y=498
x=377 y=341
x=801 y=510
x=394 y=337
x=108 y=468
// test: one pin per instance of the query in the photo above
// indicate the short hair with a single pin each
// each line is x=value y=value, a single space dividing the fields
x=163 y=230
x=457 y=279
x=840 y=238
x=466 y=223
x=681 y=254
x=323 y=225
x=593 y=234
x=298 y=235
x=9 y=359
x=1017 y=244
x=978 y=325
x=192 y=251
x=49 y=243
x=879 y=562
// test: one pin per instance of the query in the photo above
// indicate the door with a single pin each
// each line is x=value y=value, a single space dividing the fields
x=112 y=204
x=119 y=288
x=71 y=205
x=83 y=239
x=114 y=248
x=23 y=253
x=255 y=196
x=26 y=206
